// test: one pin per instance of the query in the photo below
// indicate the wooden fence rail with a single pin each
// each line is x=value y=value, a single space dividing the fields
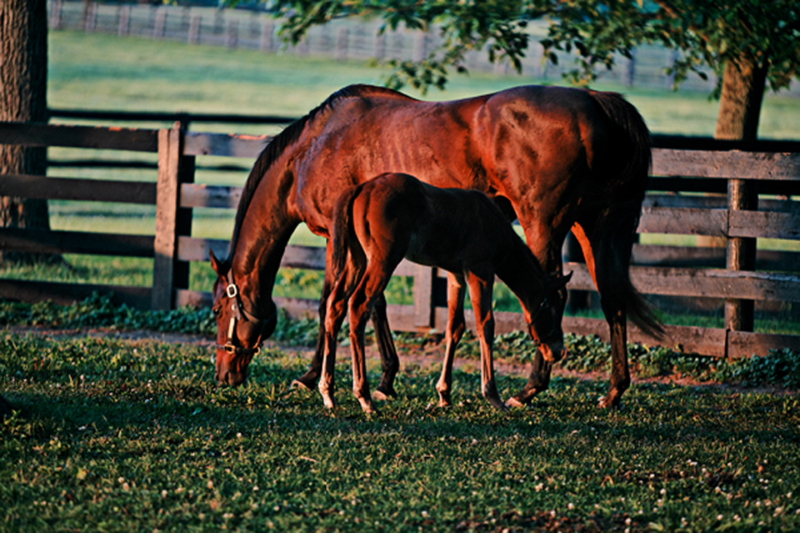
x=659 y=270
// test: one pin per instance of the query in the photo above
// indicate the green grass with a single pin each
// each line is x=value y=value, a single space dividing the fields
x=133 y=436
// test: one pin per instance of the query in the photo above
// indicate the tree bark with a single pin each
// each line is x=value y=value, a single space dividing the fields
x=23 y=98
x=743 y=88
x=6 y=409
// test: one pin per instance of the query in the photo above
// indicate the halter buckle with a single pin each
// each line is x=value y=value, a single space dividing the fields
x=232 y=290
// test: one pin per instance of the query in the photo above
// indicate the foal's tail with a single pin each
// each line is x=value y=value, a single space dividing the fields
x=624 y=184
x=343 y=232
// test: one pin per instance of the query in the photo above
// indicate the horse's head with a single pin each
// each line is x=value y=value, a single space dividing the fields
x=239 y=331
x=545 y=324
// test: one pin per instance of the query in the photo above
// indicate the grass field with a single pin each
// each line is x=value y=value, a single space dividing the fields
x=132 y=436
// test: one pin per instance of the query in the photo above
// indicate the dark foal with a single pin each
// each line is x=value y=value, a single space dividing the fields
x=379 y=222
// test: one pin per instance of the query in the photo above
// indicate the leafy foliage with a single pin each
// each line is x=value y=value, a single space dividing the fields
x=586 y=353
x=705 y=33
x=101 y=311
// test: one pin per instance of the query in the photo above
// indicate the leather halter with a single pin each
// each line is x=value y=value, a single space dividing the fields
x=239 y=314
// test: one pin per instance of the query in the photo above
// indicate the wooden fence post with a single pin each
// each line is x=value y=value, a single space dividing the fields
x=741 y=255
x=160 y=28
x=342 y=36
x=267 y=29
x=424 y=311
x=124 y=20
x=55 y=15
x=172 y=221
x=232 y=33
x=194 y=29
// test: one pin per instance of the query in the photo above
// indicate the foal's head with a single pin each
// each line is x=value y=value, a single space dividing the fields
x=239 y=331
x=545 y=324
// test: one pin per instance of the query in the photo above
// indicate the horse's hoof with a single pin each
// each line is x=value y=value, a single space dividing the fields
x=606 y=402
x=297 y=384
x=514 y=402
x=498 y=404
x=368 y=408
x=384 y=395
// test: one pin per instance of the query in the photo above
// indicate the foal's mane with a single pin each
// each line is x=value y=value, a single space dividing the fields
x=287 y=137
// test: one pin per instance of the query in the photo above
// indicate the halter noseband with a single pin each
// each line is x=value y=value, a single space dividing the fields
x=240 y=314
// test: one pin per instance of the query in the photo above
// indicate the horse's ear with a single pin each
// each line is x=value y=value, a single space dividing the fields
x=220 y=267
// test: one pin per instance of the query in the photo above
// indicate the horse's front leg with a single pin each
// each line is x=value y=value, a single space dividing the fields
x=546 y=246
x=390 y=364
x=309 y=379
x=455 y=330
x=335 y=309
x=480 y=290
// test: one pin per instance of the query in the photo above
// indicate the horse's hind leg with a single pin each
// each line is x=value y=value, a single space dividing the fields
x=390 y=363
x=616 y=317
x=455 y=330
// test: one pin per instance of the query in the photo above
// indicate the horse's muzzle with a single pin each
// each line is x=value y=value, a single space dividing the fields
x=553 y=352
x=231 y=378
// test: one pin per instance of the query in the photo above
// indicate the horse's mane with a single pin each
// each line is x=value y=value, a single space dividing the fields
x=287 y=137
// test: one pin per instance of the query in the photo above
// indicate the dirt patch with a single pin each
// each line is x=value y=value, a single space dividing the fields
x=425 y=358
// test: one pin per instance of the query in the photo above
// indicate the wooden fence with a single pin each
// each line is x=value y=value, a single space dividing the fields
x=712 y=167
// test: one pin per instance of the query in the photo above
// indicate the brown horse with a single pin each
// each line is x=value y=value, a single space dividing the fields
x=377 y=223
x=556 y=158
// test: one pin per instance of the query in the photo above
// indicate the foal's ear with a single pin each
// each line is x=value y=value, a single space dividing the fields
x=220 y=267
x=560 y=281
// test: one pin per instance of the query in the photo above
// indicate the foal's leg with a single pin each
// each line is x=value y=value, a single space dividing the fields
x=455 y=330
x=368 y=290
x=389 y=361
x=480 y=290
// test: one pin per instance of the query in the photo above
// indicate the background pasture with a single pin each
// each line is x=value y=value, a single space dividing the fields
x=141 y=75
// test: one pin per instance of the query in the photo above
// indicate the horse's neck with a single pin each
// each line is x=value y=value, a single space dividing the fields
x=262 y=239
x=522 y=273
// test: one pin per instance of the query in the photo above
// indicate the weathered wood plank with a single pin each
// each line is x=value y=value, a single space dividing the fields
x=746 y=344
x=707 y=283
x=201 y=195
x=716 y=283
x=764 y=224
x=78 y=189
x=696 y=256
x=69 y=293
x=728 y=165
x=684 y=221
x=75 y=242
x=249 y=146
x=79 y=136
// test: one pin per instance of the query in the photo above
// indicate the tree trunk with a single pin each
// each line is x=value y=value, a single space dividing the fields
x=6 y=409
x=740 y=108
x=23 y=98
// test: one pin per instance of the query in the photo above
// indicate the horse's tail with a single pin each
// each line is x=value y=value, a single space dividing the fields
x=343 y=232
x=625 y=181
